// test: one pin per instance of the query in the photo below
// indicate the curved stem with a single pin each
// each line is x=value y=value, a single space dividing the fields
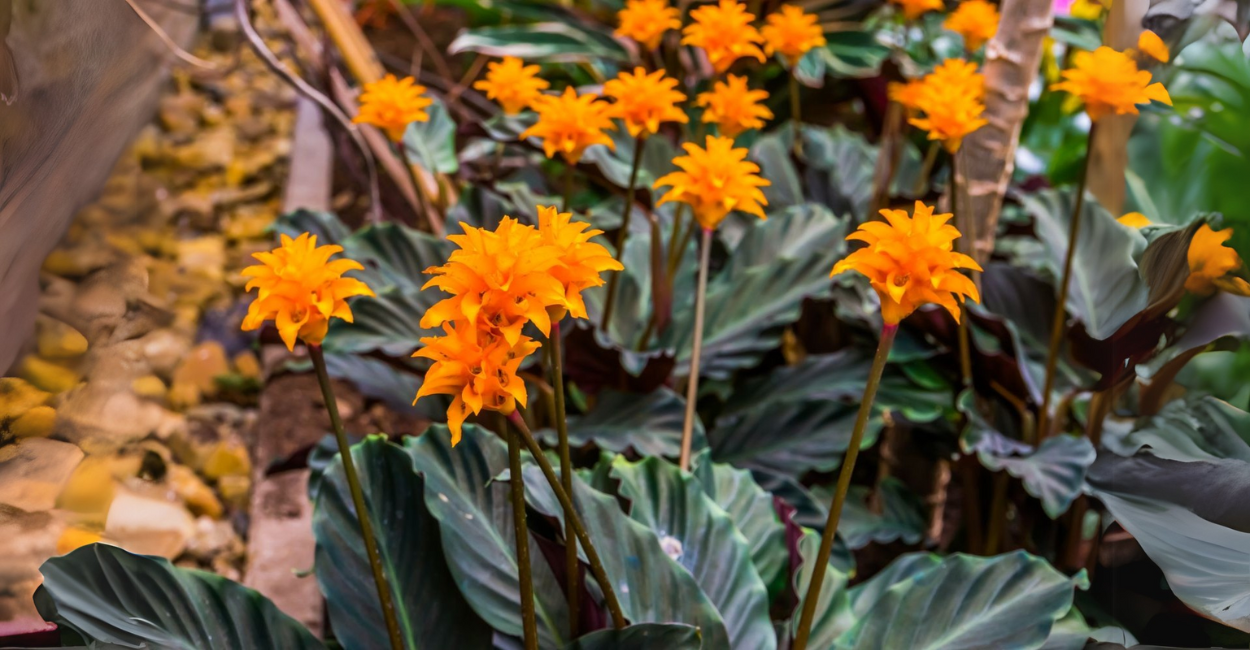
x=623 y=233
x=692 y=381
x=570 y=514
x=529 y=621
x=844 y=484
x=571 y=565
x=358 y=498
x=1056 y=325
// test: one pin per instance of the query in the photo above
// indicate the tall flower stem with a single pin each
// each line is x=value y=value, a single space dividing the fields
x=568 y=188
x=796 y=113
x=692 y=381
x=358 y=498
x=626 y=213
x=570 y=514
x=961 y=222
x=571 y=565
x=1056 y=325
x=844 y=484
x=423 y=198
x=677 y=241
x=529 y=619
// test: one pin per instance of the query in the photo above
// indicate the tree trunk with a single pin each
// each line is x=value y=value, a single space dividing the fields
x=1109 y=150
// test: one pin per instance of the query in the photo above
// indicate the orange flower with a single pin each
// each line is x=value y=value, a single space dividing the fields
x=580 y=260
x=725 y=32
x=910 y=261
x=300 y=289
x=950 y=99
x=975 y=20
x=644 y=100
x=646 y=21
x=1134 y=220
x=570 y=122
x=1211 y=263
x=478 y=367
x=715 y=181
x=913 y=9
x=392 y=104
x=1150 y=44
x=733 y=107
x=512 y=83
x=791 y=33
x=907 y=94
x=501 y=279
x=1109 y=82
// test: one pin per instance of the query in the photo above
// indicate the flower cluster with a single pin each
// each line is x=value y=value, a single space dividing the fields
x=300 y=289
x=569 y=123
x=910 y=261
x=913 y=9
x=392 y=104
x=1108 y=83
x=975 y=20
x=733 y=107
x=791 y=33
x=500 y=281
x=646 y=21
x=725 y=32
x=644 y=100
x=512 y=83
x=715 y=181
x=950 y=101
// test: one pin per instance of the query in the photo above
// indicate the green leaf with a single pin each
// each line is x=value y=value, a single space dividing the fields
x=109 y=596
x=902 y=516
x=772 y=153
x=1072 y=633
x=905 y=567
x=641 y=636
x=432 y=612
x=1199 y=428
x=395 y=255
x=854 y=54
x=388 y=323
x=383 y=381
x=541 y=42
x=701 y=537
x=325 y=225
x=650 y=585
x=833 y=609
x=1009 y=600
x=432 y=143
x=840 y=169
x=479 y=541
x=753 y=512
x=650 y=424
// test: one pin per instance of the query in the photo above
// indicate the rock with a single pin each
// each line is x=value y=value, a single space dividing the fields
x=100 y=418
x=280 y=543
x=18 y=396
x=203 y=255
x=56 y=340
x=148 y=526
x=34 y=472
x=234 y=489
x=46 y=375
x=148 y=386
x=197 y=496
x=196 y=376
x=227 y=458
x=247 y=365
x=214 y=539
x=91 y=489
x=27 y=539
x=35 y=423
x=163 y=349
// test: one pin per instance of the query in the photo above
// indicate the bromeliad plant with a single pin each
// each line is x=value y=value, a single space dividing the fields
x=704 y=391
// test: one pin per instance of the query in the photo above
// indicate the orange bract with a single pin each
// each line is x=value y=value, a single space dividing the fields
x=733 y=107
x=300 y=289
x=791 y=33
x=1108 y=82
x=477 y=367
x=1134 y=220
x=910 y=261
x=512 y=83
x=569 y=123
x=392 y=104
x=975 y=20
x=501 y=279
x=950 y=100
x=646 y=21
x=580 y=260
x=644 y=100
x=907 y=93
x=715 y=181
x=1211 y=264
x=913 y=9
x=1150 y=44
x=725 y=32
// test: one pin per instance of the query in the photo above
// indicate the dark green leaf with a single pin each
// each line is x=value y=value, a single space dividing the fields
x=902 y=516
x=540 y=42
x=651 y=424
x=1200 y=428
x=833 y=609
x=432 y=143
x=641 y=636
x=111 y=596
x=854 y=54
x=388 y=323
x=905 y=567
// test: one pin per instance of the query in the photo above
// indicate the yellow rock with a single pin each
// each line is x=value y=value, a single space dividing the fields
x=46 y=375
x=75 y=537
x=17 y=396
x=247 y=365
x=56 y=340
x=197 y=496
x=234 y=489
x=149 y=386
x=201 y=367
x=205 y=255
x=63 y=263
x=35 y=423
x=227 y=459
x=90 y=488
x=184 y=396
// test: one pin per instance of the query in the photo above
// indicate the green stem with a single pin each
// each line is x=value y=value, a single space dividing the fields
x=795 y=116
x=692 y=381
x=623 y=233
x=568 y=187
x=844 y=484
x=658 y=285
x=571 y=565
x=1056 y=325
x=570 y=514
x=677 y=245
x=358 y=498
x=961 y=219
x=926 y=168
x=529 y=621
